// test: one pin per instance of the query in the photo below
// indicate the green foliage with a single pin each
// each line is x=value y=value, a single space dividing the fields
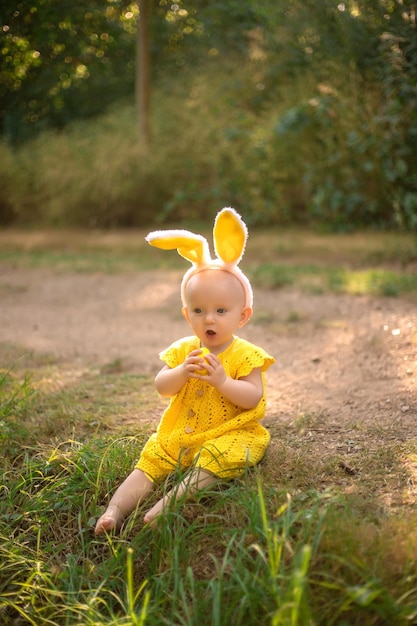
x=8 y=176
x=294 y=112
x=397 y=120
x=60 y=61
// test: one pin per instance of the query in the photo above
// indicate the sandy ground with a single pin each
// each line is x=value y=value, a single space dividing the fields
x=350 y=360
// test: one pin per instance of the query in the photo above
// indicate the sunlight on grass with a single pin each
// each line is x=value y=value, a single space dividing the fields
x=317 y=279
x=378 y=282
x=275 y=547
x=278 y=256
x=359 y=263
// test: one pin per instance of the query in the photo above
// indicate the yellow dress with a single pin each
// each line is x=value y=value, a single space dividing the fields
x=202 y=428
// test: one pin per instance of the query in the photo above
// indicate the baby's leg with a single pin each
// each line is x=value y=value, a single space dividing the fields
x=133 y=490
x=196 y=480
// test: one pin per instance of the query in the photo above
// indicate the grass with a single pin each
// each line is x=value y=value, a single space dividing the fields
x=360 y=263
x=278 y=546
x=249 y=552
x=305 y=539
x=316 y=279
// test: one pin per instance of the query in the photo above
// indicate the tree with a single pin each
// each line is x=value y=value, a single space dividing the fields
x=60 y=61
x=143 y=74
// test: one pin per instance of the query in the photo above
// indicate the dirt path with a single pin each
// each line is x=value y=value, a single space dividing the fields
x=343 y=362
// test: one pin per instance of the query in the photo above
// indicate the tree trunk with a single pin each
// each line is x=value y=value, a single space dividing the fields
x=143 y=76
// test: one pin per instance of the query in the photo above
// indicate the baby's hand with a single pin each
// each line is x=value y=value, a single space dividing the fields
x=194 y=364
x=202 y=371
x=214 y=372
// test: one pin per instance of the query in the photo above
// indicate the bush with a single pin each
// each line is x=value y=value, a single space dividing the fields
x=322 y=148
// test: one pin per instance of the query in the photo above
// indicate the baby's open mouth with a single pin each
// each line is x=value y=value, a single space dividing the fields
x=210 y=332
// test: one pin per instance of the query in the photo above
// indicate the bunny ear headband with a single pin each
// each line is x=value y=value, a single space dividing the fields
x=229 y=235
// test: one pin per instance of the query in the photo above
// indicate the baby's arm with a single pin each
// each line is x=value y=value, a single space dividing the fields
x=170 y=380
x=245 y=392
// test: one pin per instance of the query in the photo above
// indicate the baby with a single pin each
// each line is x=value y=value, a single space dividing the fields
x=214 y=379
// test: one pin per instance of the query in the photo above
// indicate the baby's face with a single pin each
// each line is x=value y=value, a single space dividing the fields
x=215 y=308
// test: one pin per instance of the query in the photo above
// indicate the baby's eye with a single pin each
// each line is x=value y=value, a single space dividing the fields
x=221 y=311
x=197 y=310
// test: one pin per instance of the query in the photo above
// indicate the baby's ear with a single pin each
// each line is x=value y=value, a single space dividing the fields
x=230 y=235
x=192 y=247
x=245 y=316
x=184 y=311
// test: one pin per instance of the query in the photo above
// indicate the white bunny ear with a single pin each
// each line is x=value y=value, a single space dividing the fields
x=192 y=247
x=230 y=235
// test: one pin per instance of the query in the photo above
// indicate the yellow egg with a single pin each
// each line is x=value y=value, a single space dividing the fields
x=202 y=372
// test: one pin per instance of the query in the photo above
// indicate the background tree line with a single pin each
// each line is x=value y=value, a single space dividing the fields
x=292 y=111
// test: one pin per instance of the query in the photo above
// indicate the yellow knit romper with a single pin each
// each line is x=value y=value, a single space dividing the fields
x=202 y=428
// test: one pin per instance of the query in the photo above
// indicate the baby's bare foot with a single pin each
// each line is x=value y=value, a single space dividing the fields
x=111 y=519
x=153 y=514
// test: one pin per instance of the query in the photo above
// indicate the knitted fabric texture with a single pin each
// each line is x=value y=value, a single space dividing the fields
x=200 y=427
